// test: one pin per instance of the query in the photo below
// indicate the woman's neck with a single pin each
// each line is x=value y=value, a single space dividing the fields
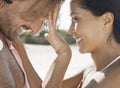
x=105 y=55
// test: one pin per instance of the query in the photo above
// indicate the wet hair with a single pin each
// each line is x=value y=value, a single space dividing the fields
x=99 y=7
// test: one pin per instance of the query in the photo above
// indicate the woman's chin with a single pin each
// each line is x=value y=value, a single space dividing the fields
x=82 y=51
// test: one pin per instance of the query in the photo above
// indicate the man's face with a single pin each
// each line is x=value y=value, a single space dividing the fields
x=29 y=14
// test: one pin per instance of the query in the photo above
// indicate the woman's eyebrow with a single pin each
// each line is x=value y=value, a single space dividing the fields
x=72 y=13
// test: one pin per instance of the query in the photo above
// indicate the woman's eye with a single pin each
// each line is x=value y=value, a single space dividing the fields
x=75 y=19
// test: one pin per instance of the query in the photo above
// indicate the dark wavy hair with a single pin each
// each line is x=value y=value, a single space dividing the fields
x=99 y=7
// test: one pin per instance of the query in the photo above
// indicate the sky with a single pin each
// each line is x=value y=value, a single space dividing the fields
x=64 y=17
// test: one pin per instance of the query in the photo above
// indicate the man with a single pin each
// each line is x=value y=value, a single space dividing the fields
x=16 y=70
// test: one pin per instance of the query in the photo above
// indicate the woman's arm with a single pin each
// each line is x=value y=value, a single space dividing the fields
x=73 y=82
x=54 y=78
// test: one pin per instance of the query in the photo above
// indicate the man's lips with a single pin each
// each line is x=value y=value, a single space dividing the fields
x=21 y=30
x=25 y=27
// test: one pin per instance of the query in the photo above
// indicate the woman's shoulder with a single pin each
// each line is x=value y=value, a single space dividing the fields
x=112 y=66
x=112 y=74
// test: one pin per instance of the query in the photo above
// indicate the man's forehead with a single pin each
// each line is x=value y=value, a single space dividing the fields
x=37 y=8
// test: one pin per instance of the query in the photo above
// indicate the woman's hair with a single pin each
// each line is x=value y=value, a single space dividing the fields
x=99 y=7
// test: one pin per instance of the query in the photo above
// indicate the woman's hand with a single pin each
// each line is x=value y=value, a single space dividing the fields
x=52 y=36
x=54 y=78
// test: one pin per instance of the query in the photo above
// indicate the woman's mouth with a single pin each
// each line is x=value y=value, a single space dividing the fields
x=78 y=40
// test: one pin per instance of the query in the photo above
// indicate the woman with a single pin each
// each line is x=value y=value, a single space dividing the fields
x=96 y=28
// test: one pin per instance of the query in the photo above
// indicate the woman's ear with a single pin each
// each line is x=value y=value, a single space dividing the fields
x=108 y=18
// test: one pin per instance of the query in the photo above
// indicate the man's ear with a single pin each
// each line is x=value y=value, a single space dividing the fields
x=108 y=18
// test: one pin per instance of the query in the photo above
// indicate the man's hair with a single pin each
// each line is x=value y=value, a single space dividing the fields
x=8 y=1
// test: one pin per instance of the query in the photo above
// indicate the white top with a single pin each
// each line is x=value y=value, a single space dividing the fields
x=91 y=73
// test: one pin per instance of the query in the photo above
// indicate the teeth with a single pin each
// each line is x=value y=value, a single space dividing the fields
x=22 y=30
x=78 y=40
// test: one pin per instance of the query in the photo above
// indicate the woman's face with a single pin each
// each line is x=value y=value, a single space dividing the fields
x=87 y=29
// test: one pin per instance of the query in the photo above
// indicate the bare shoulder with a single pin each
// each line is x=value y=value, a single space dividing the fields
x=112 y=75
x=109 y=77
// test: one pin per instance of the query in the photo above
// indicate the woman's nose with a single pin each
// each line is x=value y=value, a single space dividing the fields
x=71 y=29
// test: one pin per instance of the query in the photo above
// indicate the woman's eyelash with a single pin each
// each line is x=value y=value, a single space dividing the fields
x=75 y=19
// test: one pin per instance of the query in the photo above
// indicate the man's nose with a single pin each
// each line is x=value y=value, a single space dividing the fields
x=35 y=26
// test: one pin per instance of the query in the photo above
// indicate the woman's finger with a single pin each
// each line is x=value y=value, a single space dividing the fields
x=55 y=14
x=50 y=22
x=46 y=35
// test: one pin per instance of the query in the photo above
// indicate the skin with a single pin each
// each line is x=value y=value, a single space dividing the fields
x=94 y=35
x=12 y=17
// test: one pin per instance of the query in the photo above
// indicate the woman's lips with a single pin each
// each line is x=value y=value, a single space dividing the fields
x=78 y=40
